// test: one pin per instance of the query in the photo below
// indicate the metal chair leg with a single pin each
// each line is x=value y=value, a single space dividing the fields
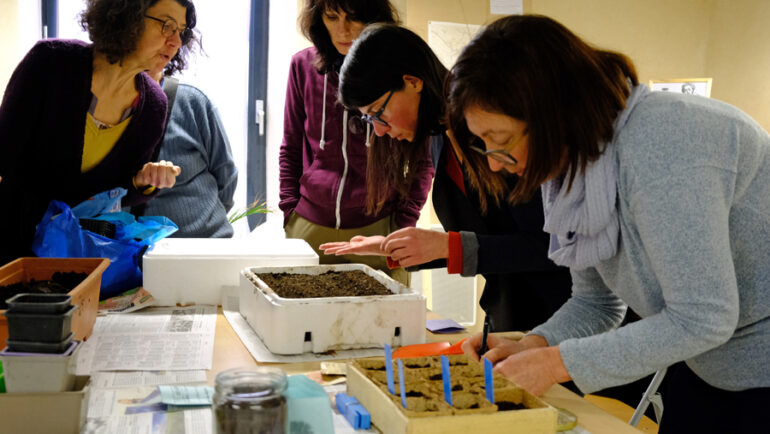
x=651 y=395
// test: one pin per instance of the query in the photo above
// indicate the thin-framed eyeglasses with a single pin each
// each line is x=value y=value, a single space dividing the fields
x=376 y=117
x=502 y=155
x=170 y=26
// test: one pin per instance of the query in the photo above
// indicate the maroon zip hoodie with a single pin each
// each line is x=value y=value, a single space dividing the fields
x=323 y=156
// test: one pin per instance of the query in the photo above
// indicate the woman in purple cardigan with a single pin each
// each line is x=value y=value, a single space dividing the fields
x=323 y=157
x=77 y=119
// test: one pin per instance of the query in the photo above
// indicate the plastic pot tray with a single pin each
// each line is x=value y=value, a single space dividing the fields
x=299 y=325
x=85 y=295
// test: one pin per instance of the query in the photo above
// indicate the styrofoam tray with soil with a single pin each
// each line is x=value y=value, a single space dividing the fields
x=309 y=318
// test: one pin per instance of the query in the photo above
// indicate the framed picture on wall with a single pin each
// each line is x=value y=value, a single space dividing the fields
x=693 y=86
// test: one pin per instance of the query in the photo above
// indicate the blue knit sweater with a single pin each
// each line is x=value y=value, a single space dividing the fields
x=195 y=140
x=693 y=257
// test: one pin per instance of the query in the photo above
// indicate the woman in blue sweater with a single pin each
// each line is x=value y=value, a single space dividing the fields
x=656 y=201
x=78 y=119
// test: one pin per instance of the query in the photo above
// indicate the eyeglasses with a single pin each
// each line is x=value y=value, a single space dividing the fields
x=376 y=117
x=170 y=26
x=502 y=155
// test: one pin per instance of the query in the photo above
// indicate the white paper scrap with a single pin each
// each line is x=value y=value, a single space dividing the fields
x=506 y=7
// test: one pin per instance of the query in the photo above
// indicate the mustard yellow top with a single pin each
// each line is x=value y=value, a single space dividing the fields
x=99 y=141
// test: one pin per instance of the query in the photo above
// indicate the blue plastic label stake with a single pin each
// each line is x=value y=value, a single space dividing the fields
x=447 y=379
x=389 y=369
x=401 y=381
x=489 y=385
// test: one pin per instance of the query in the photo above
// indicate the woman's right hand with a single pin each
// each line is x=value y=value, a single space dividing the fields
x=358 y=245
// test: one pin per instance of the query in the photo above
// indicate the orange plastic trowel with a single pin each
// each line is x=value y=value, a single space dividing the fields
x=429 y=349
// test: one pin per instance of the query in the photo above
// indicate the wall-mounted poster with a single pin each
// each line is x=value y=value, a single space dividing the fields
x=692 y=86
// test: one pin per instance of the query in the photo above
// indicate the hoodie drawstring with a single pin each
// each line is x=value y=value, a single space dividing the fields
x=323 y=115
x=345 y=168
x=368 y=135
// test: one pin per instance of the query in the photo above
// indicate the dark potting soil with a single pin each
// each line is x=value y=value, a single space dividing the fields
x=507 y=406
x=329 y=284
x=60 y=283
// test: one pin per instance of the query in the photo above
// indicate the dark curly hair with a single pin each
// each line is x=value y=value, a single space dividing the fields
x=312 y=26
x=115 y=27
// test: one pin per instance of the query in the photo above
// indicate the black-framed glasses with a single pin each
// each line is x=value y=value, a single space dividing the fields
x=376 y=117
x=170 y=26
x=502 y=155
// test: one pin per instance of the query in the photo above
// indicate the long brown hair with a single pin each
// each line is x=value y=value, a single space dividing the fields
x=375 y=65
x=534 y=69
x=312 y=26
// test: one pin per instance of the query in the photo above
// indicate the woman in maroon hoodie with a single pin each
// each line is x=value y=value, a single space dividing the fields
x=323 y=157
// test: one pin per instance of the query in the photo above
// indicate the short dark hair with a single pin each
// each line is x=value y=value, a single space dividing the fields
x=375 y=65
x=115 y=27
x=312 y=26
x=534 y=69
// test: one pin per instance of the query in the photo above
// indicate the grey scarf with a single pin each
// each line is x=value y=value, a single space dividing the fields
x=584 y=223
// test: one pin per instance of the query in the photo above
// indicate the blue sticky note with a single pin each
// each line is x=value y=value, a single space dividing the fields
x=447 y=380
x=489 y=385
x=186 y=395
x=401 y=381
x=443 y=326
x=389 y=369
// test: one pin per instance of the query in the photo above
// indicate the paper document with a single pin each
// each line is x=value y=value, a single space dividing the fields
x=506 y=7
x=154 y=339
x=130 y=301
x=109 y=380
x=258 y=349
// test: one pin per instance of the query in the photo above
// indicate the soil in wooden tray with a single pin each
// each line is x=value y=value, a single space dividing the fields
x=60 y=283
x=329 y=284
x=467 y=389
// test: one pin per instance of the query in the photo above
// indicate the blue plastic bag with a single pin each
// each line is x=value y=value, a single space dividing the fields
x=59 y=235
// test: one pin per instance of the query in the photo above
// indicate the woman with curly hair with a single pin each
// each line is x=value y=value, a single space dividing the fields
x=77 y=118
x=323 y=156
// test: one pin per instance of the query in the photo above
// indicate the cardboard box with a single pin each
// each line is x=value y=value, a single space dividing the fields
x=85 y=295
x=48 y=412
x=195 y=270
x=297 y=325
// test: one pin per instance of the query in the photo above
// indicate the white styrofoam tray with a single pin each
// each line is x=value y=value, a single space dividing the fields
x=298 y=325
x=195 y=270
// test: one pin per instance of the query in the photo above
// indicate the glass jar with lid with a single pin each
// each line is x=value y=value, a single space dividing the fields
x=250 y=401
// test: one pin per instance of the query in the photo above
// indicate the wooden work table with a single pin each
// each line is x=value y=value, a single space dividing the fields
x=229 y=352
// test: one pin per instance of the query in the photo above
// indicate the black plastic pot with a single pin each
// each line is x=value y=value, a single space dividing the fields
x=39 y=327
x=40 y=347
x=39 y=303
